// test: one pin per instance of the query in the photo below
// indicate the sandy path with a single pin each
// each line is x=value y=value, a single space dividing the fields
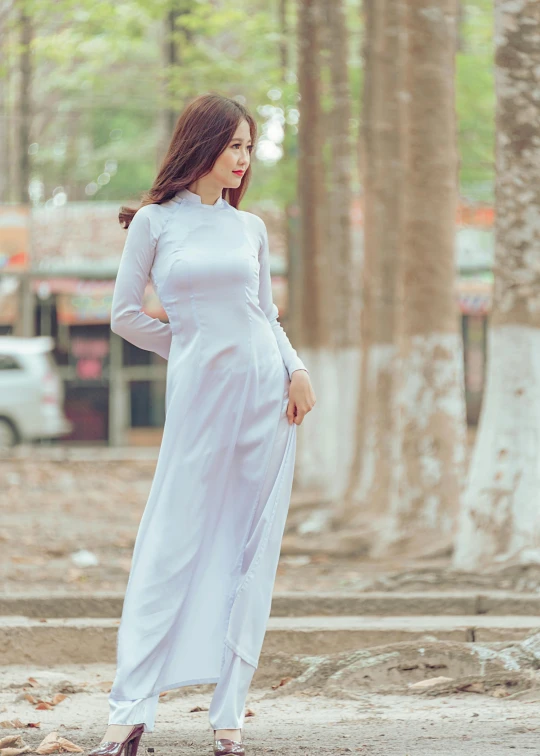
x=378 y=725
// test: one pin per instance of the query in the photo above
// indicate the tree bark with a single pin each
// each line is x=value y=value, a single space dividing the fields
x=315 y=327
x=344 y=325
x=331 y=271
x=172 y=59
x=283 y=38
x=500 y=519
x=24 y=108
x=5 y=9
x=430 y=398
x=314 y=295
x=374 y=459
x=342 y=397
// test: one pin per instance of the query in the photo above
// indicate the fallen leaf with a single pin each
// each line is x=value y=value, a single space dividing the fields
x=54 y=742
x=58 y=698
x=13 y=745
x=284 y=681
x=33 y=682
x=11 y=740
x=44 y=705
x=250 y=713
x=30 y=697
x=198 y=708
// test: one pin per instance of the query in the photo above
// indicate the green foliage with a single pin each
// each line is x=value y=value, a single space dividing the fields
x=99 y=70
x=476 y=102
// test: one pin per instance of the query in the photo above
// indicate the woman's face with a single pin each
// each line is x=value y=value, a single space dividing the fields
x=235 y=158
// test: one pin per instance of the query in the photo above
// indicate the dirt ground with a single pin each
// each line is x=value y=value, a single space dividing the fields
x=53 y=508
x=374 y=725
x=68 y=521
x=57 y=502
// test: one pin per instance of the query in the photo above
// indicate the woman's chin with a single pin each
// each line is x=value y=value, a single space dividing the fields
x=234 y=183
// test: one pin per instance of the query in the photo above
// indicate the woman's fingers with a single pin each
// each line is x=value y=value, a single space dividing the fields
x=290 y=411
x=294 y=413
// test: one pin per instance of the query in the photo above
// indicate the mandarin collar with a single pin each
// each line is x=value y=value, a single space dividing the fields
x=185 y=194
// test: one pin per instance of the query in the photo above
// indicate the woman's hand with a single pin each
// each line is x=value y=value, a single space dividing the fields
x=301 y=396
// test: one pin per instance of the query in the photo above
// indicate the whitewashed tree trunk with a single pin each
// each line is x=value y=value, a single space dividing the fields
x=330 y=345
x=313 y=329
x=376 y=452
x=374 y=463
x=430 y=398
x=500 y=518
x=346 y=295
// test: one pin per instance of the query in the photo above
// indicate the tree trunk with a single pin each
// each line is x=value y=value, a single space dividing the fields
x=314 y=299
x=24 y=105
x=311 y=192
x=283 y=38
x=371 y=46
x=500 y=519
x=289 y=226
x=430 y=398
x=324 y=453
x=4 y=104
x=289 y=145
x=172 y=59
x=374 y=459
x=345 y=313
x=344 y=324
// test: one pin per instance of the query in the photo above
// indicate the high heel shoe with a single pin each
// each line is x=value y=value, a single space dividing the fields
x=223 y=746
x=127 y=747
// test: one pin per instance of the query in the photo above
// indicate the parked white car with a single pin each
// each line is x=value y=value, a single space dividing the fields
x=31 y=391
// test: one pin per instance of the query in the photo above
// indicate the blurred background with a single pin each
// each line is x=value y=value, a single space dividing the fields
x=395 y=169
x=398 y=172
x=89 y=96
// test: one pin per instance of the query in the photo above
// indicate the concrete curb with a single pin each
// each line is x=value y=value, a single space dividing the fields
x=93 y=640
x=379 y=603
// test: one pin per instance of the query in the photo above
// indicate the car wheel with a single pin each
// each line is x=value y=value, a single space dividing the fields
x=8 y=436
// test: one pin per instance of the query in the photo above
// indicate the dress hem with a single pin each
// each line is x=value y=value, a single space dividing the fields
x=173 y=686
x=245 y=657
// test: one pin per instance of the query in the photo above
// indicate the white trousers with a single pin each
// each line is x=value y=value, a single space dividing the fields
x=227 y=707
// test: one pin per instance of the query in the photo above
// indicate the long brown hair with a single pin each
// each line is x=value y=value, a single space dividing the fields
x=202 y=132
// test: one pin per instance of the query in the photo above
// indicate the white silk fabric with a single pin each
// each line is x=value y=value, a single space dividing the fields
x=207 y=547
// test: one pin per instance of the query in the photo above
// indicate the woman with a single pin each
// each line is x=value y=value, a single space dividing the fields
x=204 y=562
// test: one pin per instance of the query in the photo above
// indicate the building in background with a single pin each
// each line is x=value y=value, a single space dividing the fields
x=57 y=271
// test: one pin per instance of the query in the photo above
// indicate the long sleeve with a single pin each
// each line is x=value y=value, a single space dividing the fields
x=290 y=357
x=127 y=317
